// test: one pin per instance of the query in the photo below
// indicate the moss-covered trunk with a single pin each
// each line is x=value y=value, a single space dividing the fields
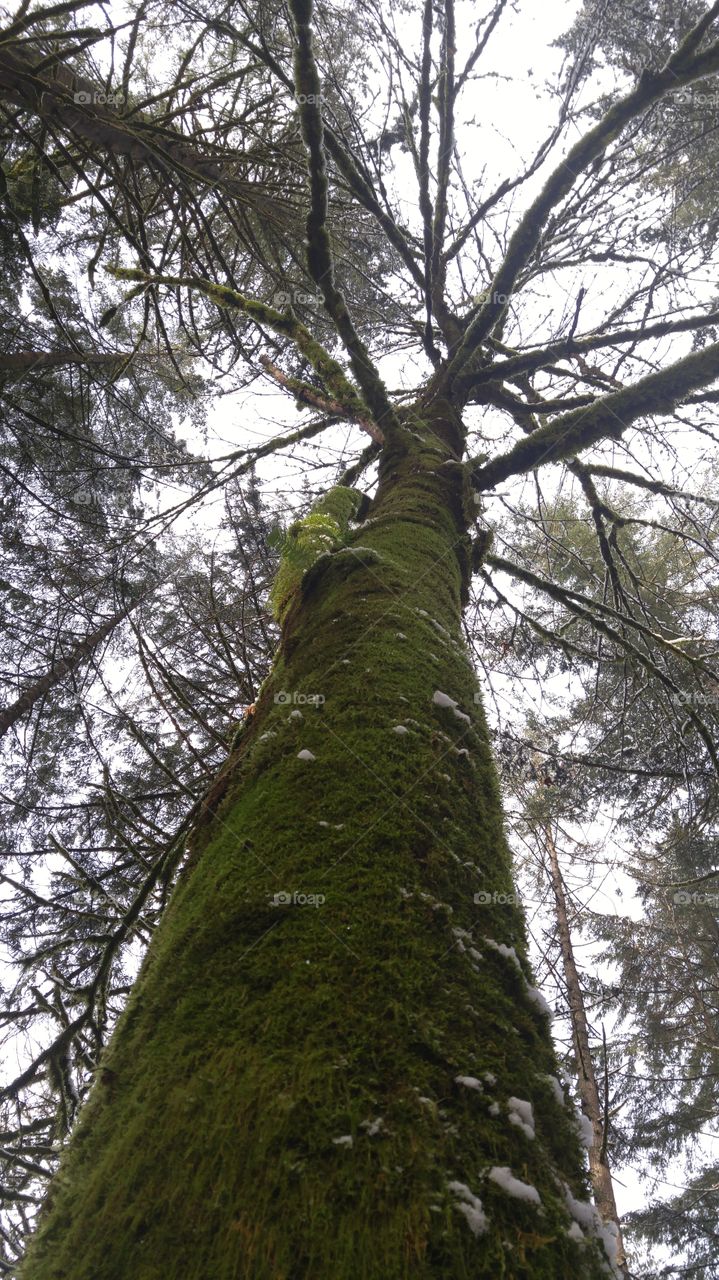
x=334 y=1066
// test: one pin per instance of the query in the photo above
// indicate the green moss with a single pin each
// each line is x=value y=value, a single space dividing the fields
x=261 y=1034
x=323 y=530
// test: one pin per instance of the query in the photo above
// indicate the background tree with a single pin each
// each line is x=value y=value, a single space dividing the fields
x=625 y=759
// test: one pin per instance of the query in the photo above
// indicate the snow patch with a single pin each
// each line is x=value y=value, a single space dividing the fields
x=295 y=715
x=583 y=1213
x=508 y=952
x=585 y=1128
x=587 y=1216
x=557 y=1090
x=608 y=1233
x=400 y=728
x=442 y=630
x=304 y=754
x=521 y=1114
x=372 y=1127
x=469 y=1082
x=443 y=700
x=489 y=1078
x=537 y=999
x=505 y=1179
x=575 y=1232
x=345 y=1141
x=471 y=1206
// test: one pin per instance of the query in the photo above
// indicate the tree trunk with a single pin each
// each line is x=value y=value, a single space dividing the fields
x=32 y=695
x=599 y=1167
x=31 y=361
x=332 y=1063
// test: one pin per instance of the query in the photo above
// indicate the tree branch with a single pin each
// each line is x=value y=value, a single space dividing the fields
x=606 y=418
x=677 y=72
x=319 y=253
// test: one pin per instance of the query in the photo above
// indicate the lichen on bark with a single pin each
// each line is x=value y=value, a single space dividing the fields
x=346 y=953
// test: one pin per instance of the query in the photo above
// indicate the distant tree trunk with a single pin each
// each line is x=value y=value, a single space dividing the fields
x=333 y=1065
x=599 y=1167
x=30 y=361
x=57 y=672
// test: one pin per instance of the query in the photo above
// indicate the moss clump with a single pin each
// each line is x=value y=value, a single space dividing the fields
x=324 y=529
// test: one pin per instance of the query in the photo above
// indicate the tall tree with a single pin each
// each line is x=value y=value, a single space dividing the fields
x=344 y=1064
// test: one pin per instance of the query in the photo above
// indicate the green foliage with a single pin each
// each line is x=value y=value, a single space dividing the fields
x=323 y=530
x=676 y=147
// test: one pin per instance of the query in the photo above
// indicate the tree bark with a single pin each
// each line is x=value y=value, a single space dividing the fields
x=29 y=361
x=32 y=695
x=333 y=1064
x=599 y=1167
